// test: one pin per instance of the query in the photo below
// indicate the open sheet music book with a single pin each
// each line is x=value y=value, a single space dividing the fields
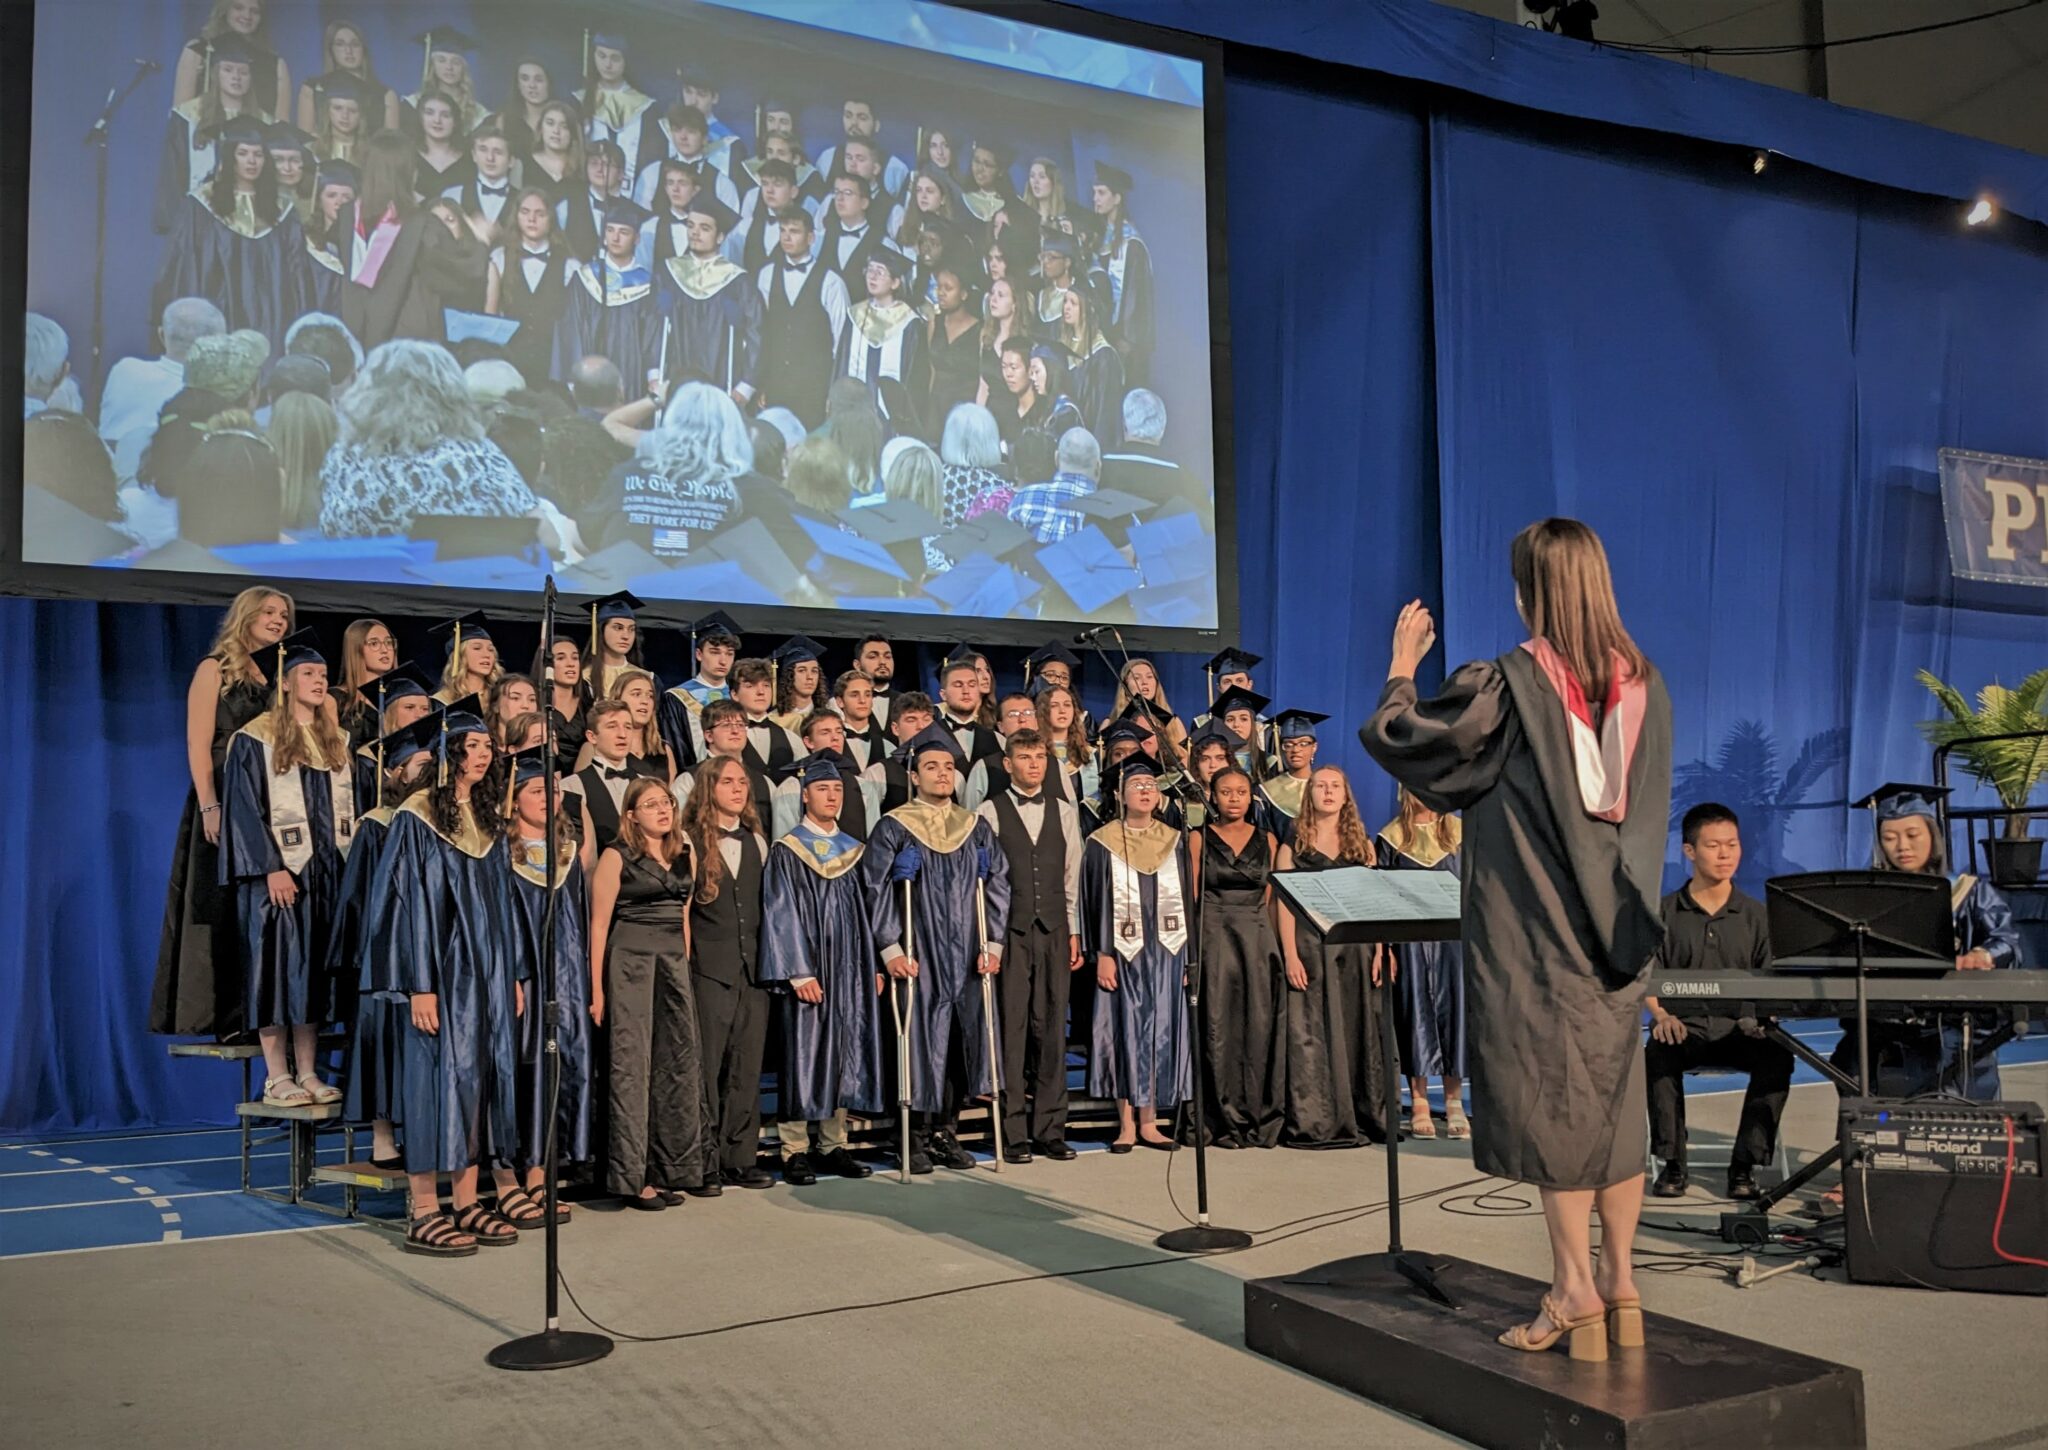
x=1358 y=903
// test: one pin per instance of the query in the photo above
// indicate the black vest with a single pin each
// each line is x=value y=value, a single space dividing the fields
x=853 y=811
x=982 y=742
x=760 y=240
x=586 y=238
x=780 y=756
x=854 y=273
x=1038 y=869
x=537 y=309
x=604 y=816
x=895 y=785
x=876 y=738
x=725 y=935
x=796 y=345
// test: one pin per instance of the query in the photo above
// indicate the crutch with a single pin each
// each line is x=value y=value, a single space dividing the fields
x=901 y=1006
x=988 y=1017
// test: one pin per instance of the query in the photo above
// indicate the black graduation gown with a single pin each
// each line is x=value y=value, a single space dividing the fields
x=1334 y=1064
x=1098 y=381
x=715 y=312
x=262 y=281
x=877 y=352
x=1132 y=317
x=571 y=988
x=814 y=923
x=619 y=318
x=1244 y=990
x=576 y=218
x=376 y=1039
x=426 y=269
x=536 y=309
x=262 y=72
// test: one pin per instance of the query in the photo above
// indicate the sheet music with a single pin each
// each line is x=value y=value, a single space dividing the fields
x=1360 y=893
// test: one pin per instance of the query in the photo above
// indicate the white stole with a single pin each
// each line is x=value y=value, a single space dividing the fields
x=289 y=827
x=1127 y=905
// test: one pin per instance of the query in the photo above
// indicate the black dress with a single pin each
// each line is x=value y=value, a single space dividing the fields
x=1334 y=1073
x=1244 y=1026
x=956 y=372
x=656 y=1077
x=193 y=993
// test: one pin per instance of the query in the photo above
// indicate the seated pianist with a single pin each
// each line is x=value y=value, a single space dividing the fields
x=1710 y=926
x=1908 y=1058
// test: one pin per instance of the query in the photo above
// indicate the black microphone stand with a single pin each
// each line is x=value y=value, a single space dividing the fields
x=553 y=1347
x=97 y=138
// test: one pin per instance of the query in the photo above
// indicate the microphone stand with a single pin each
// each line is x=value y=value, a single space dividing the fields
x=553 y=1347
x=97 y=138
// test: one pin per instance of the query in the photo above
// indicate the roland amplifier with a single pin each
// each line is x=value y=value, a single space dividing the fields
x=1945 y=1194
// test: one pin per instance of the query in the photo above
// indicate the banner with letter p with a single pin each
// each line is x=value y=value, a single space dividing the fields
x=1996 y=509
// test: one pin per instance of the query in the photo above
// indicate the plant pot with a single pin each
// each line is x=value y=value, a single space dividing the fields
x=2014 y=861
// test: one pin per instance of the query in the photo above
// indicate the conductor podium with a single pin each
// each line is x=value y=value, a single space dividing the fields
x=1415 y=1332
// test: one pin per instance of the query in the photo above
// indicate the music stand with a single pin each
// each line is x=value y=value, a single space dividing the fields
x=1355 y=905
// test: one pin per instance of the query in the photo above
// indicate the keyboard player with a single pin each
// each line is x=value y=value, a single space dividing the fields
x=1710 y=926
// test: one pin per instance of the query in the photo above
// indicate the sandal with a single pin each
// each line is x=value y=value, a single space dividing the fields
x=1421 y=1125
x=283 y=1091
x=518 y=1207
x=321 y=1092
x=1625 y=1323
x=1588 y=1333
x=435 y=1233
x=1459 y=1126
x=486 y=1227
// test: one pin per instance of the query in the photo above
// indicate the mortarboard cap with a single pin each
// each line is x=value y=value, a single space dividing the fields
x=892 y=521
x=1214 y=729
x=1059 y=242
x=697 y=76
x=446 y=40
x=897 y=263
x=1298 y=724
x=1091 y=569
x=464 y=717
x=931 y=738
x=1115 y=178
x=615 y=606
x=473 y=625
x=340 y=85
x=1237 y=697
x=397 y=684
x=284 y=136
x=1052 y=654
x=1894 y=801
x=796 y=649
x=527 y=766
x=819 y=768
x=1133 y=766
x=993 y=533
x=1232 y=661
x=623 y=211
x=338 y=173
x=706 y=204
x=231 y=48
x=1149 y=712
x=1124 y=728
x=299 y=648
x=236 y=131
x=717 y=625
x=1003 y=152
x=404 y=743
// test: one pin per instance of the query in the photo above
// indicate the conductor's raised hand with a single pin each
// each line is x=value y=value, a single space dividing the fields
x=1414 y=634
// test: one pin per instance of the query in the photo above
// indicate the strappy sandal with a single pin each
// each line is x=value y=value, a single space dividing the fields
x=1421 y=1125
x=436 y=1234
x=487 y=1228
x=1457 y=1125
x=518 y=1207
x=283 y=1091
x=320 y=1092
x=1625 y=1323
x=1588 y=1333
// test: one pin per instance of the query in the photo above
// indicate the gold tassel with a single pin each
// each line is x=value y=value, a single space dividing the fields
x=596 y=639
x=511 y=789
x=380 y=770
x=280 y=673
x=1210 y=672
x=442 y=777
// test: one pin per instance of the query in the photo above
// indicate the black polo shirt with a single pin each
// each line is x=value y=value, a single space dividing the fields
x=1734 y=939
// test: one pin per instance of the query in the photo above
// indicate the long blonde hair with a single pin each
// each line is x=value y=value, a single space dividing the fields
x=1566 y=594
x=1353 y=845
x=231 y=645
x=1055 y=204
x=321 y=744
x=1450 y=831
x=454 y=675
x=651 y=744
x=700 y=822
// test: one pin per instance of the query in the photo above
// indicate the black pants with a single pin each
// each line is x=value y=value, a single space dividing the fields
x=1718 y=1042
x=734 y=1022
x=1033 y=986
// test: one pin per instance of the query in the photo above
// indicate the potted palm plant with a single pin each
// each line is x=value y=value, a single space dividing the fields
x=2011 y=767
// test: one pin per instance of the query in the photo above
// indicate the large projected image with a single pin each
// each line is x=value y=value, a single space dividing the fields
x=893 y=307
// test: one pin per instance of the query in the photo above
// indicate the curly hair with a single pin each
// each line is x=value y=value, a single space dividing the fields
x=700 y=822
x=231 y=645
x=1353 y=845
x=408 y=397
x=486 y=798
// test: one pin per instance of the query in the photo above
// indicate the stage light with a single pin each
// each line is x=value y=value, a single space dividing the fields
x=1758 y=162
x=1983 y=213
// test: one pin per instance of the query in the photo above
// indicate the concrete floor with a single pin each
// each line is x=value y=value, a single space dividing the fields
x=335 y=1337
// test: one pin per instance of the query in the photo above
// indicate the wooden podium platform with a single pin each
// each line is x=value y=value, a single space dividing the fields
x=1357 y=1324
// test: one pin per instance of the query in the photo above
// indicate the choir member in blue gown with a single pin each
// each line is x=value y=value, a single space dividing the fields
x=1429 y=1000
x=944 y=852
x=238 y=243
x=818 y=956
x=1910 y=1058
x=1137 y=898
x=287 y=823
x=437 y=928
x=526 y=858
x=1277 y=799
x=613 y=309
x=714 y=645
x=713 y=306
x=395 y=699
x=376 y=1043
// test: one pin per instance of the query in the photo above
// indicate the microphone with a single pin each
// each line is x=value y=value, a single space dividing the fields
x=148 y=66
x=1089 y=636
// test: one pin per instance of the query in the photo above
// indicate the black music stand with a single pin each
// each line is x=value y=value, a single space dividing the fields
x=1355 y=905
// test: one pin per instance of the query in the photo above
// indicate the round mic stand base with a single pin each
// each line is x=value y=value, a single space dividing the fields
x=1202 y=1238
x=550 y=1349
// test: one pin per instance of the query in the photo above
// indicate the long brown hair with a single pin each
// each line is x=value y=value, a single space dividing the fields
x=1353 y=845
x=231 y=645
x=675 y=844
x=700 y=823
x=1450 y=831
x=389 y=167
x=566 y=843
x=650 y=744
x=368 y=74
x=1079 y=751
x=353 y=673
x=573 y=171
x=1567 y=597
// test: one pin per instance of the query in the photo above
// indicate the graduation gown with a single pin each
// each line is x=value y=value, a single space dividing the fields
x=376 y=1039
x=1336 y=1076
x=437 y=924
x=716 y=313
x=677 y=715
x=1098 y=381
x=627 y=116
x=884 y=343
x=425 y=270
x=186 y=161
x=943 y=850
x=618 y=317
x=1137 y=900
x=1429 y=999
x=284 y=948
x=258 y=273
x=1125 y=263
x=526 y=863
x=1561 y=914
x=814 y=923
x=1244 y=995
x=1276 y=801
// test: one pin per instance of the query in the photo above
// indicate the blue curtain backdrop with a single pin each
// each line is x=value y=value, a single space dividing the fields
x=1446 y=319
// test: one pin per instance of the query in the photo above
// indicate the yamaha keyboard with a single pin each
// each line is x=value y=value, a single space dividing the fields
x=1829 y=994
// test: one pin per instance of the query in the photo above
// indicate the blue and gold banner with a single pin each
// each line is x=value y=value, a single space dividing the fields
x=1997 y=513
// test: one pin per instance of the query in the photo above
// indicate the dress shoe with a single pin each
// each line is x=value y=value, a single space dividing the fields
x=1116 y=1147
x=709 y=1188
x=841 y=1162
x=920 y=1156
x=672 y=1198
x=1053 y=1148
x=1159 y=1145
x=1671 y=1182
x=1016 y=1153
x=946 y=1150
x=797 y=1171
x=1742 y=1183
x=755 y=1177
x=646 y=1204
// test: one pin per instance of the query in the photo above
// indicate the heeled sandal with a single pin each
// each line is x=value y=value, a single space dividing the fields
x=1625 y=1323
x=1588 y=1334
x=487 y=1228
x=1421 y=1125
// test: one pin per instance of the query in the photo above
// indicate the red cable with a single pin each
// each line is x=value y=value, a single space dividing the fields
x=2005 y=1192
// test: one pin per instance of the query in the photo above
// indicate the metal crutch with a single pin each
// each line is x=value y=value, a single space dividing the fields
x=988 y=1017
x=901 y=1007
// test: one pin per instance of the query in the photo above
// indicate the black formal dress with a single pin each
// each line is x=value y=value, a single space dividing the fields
x=656 y=1078
x=956 y=371
x=1334 y=1062
x=1244 y=1021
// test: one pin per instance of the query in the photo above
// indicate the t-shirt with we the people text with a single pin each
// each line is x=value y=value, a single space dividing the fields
x=665 y=516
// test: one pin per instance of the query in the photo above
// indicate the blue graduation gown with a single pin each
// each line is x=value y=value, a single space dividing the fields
x=621 y=322
x=283 y=947
x=715 y=338
x=948 y=986
x=438 y=923
x=814 y=923
x=1429 y=1002
x=1139 y=1040
x=571 y=986
x=377 y=1036
x=264 y=282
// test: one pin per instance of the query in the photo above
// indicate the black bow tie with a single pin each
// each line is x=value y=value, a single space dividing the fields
x=610 y=774
x=1031 y=800
x=483 y=190
x=529 y=255
x=732 y=835
x=859 y=231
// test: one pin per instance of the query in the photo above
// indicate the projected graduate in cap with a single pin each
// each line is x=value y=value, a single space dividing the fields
x=714 y=646
x=804 y=318
x=242 y=26
x=470 y=663
x=910 y=712
x=1244 y=1011
x=617 y=112
x=688 y=141
x=882 y=340
x=236 y=241
x=287 y=822
x=330 y=225
x=1137 y=891
x=529 y=280
x=531 y=92
x=1907 y=1059
x=1124 y=263
x=340 y=123
x=444 y=70
x=1059 y=270
x=1238 y=713
x=989 y=189
x=945 y=853
x=293 y=164
x=714 y=307
x=1278 y=798
x=1097 y=373
x=191 y=150
x=198 y=986
x=613 y=309
x=613 y=639
x=443 y=150
x=346 y=56
x=1430 y=1003
x=817 y=958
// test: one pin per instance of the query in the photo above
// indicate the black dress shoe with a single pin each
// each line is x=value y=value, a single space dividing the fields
x=946 y=1150
x=1159 y=1145
x=672 y=1198
x=646 y=1204
x=1671 y=1182
x=1053 y=1148
x=707 y=1189
x=920 y=1157
x=1742 y=1183
x=755 y=1177
x=797 y=1171
x=1116 y=1147
x=1016 y=1153
x=839 y=1161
